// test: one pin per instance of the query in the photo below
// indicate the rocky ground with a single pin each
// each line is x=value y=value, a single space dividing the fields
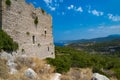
x=26 y=68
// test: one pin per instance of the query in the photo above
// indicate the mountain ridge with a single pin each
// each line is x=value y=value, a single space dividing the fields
x=99 y=39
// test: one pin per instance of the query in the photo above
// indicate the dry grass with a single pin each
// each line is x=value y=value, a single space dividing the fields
x=3 y=69
x=65 y=77
x=23 y=63
x=78 y=74
x=40 y=67
x=113 y=78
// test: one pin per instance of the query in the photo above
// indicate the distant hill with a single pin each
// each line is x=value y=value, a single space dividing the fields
x=100 y=39
x=109 y=44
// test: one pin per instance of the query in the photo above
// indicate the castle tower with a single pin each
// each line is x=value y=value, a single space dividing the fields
x=31 y=28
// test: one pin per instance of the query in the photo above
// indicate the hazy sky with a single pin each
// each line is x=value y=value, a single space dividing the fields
x=78 y=19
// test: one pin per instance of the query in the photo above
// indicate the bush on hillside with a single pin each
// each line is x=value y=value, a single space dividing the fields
x=62 y=63
x=6 y=42
x=8 y=2
x=67 y=57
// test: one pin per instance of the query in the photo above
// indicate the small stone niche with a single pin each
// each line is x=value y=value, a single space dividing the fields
x=33 y=39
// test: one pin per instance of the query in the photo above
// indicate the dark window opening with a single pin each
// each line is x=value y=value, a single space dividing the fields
x=48 y=49
x=52 y=53
x=33 y=37
x=45 y=32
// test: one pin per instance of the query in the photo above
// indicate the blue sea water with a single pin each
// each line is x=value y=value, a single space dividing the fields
x=59 y=44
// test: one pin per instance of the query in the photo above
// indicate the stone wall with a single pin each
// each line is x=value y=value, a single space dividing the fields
x=18 y=22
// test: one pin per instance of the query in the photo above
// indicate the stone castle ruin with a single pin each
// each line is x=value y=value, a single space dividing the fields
x=31 y=28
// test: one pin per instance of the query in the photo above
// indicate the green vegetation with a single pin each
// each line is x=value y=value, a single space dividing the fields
x=36 y=21
x=61 y=62
x=67 y=57
x=111 y=46
x=28 y=33
x=39 y=45
x=6 y=42
x=42 y=11
x=8 y=2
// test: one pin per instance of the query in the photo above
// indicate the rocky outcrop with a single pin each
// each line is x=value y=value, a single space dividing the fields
x=56 y=76
x=97 y=76
x=12 y=66
x=6 y=56
x=9 y=61
x=31 y=74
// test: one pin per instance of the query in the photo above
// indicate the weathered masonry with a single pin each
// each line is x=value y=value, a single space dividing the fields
x=31 y=28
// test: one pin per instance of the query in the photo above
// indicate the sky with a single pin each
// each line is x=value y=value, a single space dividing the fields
x=82 y=19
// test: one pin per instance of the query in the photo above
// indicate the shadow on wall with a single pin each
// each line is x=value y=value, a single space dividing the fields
x=0 y=14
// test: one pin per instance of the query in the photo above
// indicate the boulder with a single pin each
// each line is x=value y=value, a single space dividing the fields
x=5 y=55
x=12 y=66
x=30 y=73
x=13 y=71
x=97 y=76
x=56 y=76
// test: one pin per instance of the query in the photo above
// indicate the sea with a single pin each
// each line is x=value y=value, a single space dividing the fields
x=59 y=44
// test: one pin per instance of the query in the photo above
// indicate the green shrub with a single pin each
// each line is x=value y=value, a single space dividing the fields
x=8 y=2
x=117 y=73
x=67 y=57
x=6 y=42
x=62 y=63
x=39 y=45
x=28 y=33
x=42 y=11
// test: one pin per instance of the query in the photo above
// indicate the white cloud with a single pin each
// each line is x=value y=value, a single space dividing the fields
x=114 y=18
x=113 y=29
x=53 y=4
x=97 y=13
x=52 y=8
x=89 y=7
x=79 y=9
x=72 y=7
x=91 y=30
x=48 y=2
